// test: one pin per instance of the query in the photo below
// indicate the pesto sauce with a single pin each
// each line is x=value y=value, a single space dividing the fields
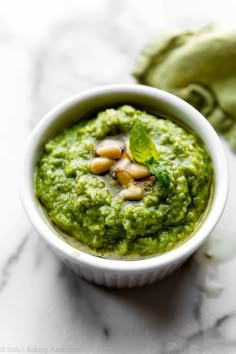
x=88 y=208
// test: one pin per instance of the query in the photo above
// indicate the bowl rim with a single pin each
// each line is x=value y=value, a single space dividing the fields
x=156 y=261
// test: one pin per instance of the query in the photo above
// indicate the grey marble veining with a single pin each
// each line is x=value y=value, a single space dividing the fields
x=12 y=260
x=43 y=304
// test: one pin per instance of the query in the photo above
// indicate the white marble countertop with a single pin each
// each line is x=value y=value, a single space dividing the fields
x=48 y=51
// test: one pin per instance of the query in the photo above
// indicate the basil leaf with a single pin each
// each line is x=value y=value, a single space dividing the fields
x=144 y=151
x=160 y=172
x=141 y=145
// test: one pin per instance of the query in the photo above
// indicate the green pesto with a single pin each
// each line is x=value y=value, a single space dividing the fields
x=88 y=208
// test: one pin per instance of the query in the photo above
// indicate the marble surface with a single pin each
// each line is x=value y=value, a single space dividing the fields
x=48 y=51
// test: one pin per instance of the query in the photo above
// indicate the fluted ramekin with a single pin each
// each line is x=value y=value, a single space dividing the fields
x=123 y=273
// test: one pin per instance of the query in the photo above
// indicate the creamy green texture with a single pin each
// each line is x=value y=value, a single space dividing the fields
x=88 y=207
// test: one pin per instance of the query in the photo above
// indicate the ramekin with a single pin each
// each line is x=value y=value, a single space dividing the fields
x=123 y=273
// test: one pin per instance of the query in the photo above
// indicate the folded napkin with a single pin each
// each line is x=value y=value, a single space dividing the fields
x=198 y=66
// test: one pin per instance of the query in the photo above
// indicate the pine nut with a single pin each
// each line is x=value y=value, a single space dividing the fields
x=123 y=163
x=123 y=177
x=100 y=165
x=127 y=149
x=113 y=151
x=133 y=192
x=138 y=171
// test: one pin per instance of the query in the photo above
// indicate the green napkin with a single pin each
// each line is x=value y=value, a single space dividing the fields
x=198 y=66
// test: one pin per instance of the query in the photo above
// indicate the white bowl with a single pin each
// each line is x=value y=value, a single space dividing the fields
x=123 y=273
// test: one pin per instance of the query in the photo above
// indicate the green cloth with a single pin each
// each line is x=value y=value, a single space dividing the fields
x=198 y=66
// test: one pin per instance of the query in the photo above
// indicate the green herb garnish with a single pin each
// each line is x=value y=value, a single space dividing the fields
x=144 y=151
